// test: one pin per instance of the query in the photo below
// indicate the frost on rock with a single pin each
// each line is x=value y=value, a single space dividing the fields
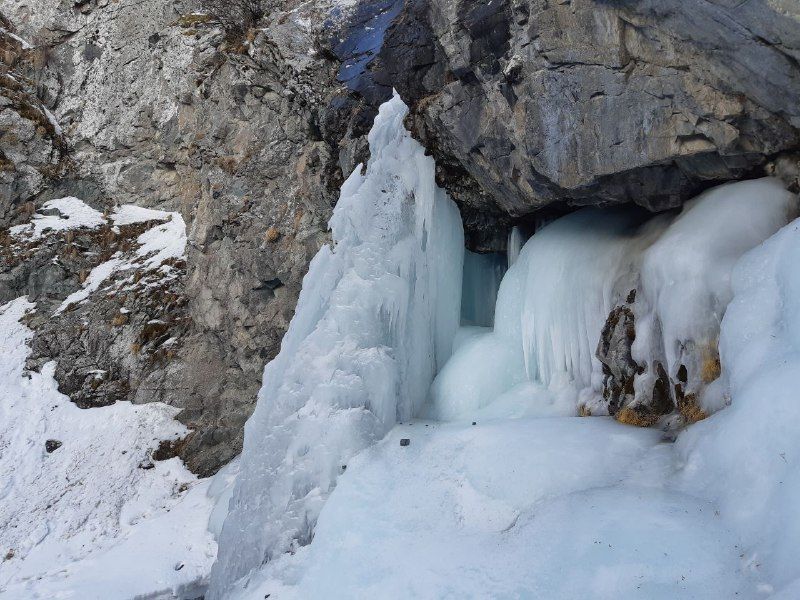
x=673 y=273
x=377 y=314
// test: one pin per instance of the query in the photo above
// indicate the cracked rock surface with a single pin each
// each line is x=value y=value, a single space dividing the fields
x=528 y=103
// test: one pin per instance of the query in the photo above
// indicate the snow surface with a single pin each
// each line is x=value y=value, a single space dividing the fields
x=377 y=314
x=531 y=508
x=85 y=521
x=128 y=214
x=72 y=213
x=163 y=242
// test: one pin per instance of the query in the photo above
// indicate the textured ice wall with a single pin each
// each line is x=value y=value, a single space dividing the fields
x=377 y=314
x=556 y=297
x=745 y=457
x=482 y=276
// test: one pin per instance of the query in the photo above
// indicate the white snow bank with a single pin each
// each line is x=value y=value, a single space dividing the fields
x=377 y=314
x=163 y=242
x=73 y=213
x=516 y=509
x=556 y=297
x=85 y=521
x=128 y=214
x=747 y=456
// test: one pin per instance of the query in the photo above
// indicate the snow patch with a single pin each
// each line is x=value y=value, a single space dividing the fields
x=128 y=214
x=72 y=213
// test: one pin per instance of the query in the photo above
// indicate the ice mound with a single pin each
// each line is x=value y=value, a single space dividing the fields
x=745 y=457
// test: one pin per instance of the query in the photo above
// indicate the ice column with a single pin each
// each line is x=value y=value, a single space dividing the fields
x=377 y=314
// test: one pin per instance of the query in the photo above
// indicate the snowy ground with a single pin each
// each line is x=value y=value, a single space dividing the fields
x=85 y=512
x=96 y=517
x=529 y=508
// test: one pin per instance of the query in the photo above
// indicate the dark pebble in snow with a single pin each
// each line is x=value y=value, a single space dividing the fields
x=52 y=445
x=405 y=442
x=474 y=423
x=179 y=566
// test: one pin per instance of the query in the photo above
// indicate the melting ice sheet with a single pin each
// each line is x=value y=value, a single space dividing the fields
x=376 y=317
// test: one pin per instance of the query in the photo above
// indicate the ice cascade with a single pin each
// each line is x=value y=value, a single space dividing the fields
x=376 y=318
x=671 y=271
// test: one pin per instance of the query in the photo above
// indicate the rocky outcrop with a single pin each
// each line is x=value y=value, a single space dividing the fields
x=32 y=146
x=529 y=103
x=161 y=108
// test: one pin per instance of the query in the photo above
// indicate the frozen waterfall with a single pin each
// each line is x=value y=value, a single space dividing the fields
x=377 y=314
x=381 y=334
x=540 y=358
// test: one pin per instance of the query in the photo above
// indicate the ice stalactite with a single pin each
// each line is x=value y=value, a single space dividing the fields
x=515 y=242
x=376 y=317
x=670 y=272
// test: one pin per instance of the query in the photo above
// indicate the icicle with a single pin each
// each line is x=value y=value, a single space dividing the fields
x=557 y=296
x=482 y=276
x=515 y=243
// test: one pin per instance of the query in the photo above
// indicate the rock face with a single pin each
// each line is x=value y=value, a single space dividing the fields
x=32 y=146
x=526 y=103
x=530 y=107
x=160 y=108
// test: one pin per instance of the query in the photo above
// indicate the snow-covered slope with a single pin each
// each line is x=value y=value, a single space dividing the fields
x=85 y=512
x=532 y=508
